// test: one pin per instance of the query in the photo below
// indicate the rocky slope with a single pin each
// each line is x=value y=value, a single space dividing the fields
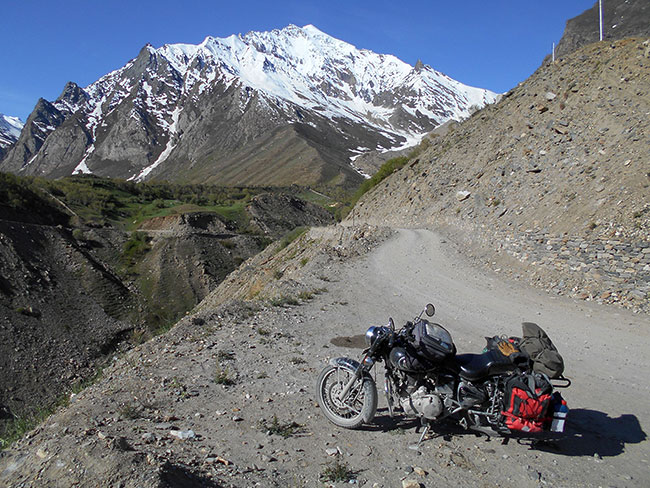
x=63 y=311
x=71 y=296
x=551 y=183
x=621 y=19
x=281 y=107
x=274 y=214
x=192 y=253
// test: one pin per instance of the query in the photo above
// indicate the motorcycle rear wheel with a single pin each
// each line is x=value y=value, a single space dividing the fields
x=360 y=405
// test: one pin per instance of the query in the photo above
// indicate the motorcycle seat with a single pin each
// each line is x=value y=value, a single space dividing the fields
x=477 y=366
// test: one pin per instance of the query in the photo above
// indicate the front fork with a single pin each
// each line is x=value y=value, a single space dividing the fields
x=358 y=370
x=388 y=390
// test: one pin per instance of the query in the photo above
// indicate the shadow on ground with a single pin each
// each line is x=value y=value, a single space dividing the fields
x=178 y=476
x=587 y=433
x=383 y=422
x=353 y=342
x=591 y=432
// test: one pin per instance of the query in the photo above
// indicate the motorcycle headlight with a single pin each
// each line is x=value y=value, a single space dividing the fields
x=374 y=333
x=371 y=336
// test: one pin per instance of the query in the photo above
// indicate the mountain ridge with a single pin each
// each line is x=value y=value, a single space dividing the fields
x=184 y=106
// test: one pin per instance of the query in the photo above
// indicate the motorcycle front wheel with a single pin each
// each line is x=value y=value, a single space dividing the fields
x=357 y=408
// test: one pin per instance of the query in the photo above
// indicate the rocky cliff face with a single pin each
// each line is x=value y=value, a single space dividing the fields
x=287 y=106
x=621 y=19
x=551 y=183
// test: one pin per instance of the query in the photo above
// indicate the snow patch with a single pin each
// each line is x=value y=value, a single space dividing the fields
x=359 y=170
x=31 y=160
x=82 y=168
x=171 y=144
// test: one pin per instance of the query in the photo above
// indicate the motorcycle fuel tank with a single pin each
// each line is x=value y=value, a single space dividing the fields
x=410 y=363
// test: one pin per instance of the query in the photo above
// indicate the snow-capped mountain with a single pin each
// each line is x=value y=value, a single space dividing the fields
x=287 y=106
x=10 y=128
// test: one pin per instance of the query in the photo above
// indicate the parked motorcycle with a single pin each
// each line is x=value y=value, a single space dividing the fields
x=500 y=391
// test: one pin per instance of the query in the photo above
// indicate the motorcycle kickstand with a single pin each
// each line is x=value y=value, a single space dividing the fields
x=426 y=426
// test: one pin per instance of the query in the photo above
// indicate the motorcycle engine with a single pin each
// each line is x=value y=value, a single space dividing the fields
x=422 y=403
x=470 y=396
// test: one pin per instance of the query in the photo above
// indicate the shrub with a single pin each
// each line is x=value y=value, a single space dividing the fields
x=284 y=300
x=228 y=244
x=275 y=427
x=222 y=376
x=128 y=411
x=292 y=236
x=225 y=355
x=309 y=294
x=337 y=471
x=387 y=169
x=136 y=247
x=138 y=336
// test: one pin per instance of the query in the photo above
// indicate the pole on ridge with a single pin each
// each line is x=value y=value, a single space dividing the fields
x=553 y=53
x=600 y=17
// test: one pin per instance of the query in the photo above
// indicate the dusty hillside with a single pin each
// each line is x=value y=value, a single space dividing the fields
x=61 y=310
x=273 y=214
x=553 y=182
x=226 y=399
x=72 y=295
x=188 y=255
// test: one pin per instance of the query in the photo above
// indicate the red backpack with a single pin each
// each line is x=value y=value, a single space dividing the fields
x=527 y=401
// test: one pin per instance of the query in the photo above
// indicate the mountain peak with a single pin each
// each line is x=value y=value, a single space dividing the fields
x=312 y=29
x=138 y=117
x=294 y=63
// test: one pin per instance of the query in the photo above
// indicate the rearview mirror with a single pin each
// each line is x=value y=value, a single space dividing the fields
x=430 y=310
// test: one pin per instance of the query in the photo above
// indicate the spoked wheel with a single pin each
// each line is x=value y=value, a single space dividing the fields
x=357 y=408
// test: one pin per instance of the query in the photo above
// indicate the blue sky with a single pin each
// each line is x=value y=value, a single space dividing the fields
x=492 y=45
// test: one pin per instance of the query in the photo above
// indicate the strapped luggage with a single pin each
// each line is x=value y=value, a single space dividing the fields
x=541 y=350
x=527 y=401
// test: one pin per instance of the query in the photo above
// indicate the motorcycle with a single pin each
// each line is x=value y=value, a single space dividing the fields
x=498 y=391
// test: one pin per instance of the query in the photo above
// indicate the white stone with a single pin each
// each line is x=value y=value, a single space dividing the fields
x=183 y=434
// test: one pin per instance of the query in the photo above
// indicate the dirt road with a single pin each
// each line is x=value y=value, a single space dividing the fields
x=235 y=379
x=606 y=351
